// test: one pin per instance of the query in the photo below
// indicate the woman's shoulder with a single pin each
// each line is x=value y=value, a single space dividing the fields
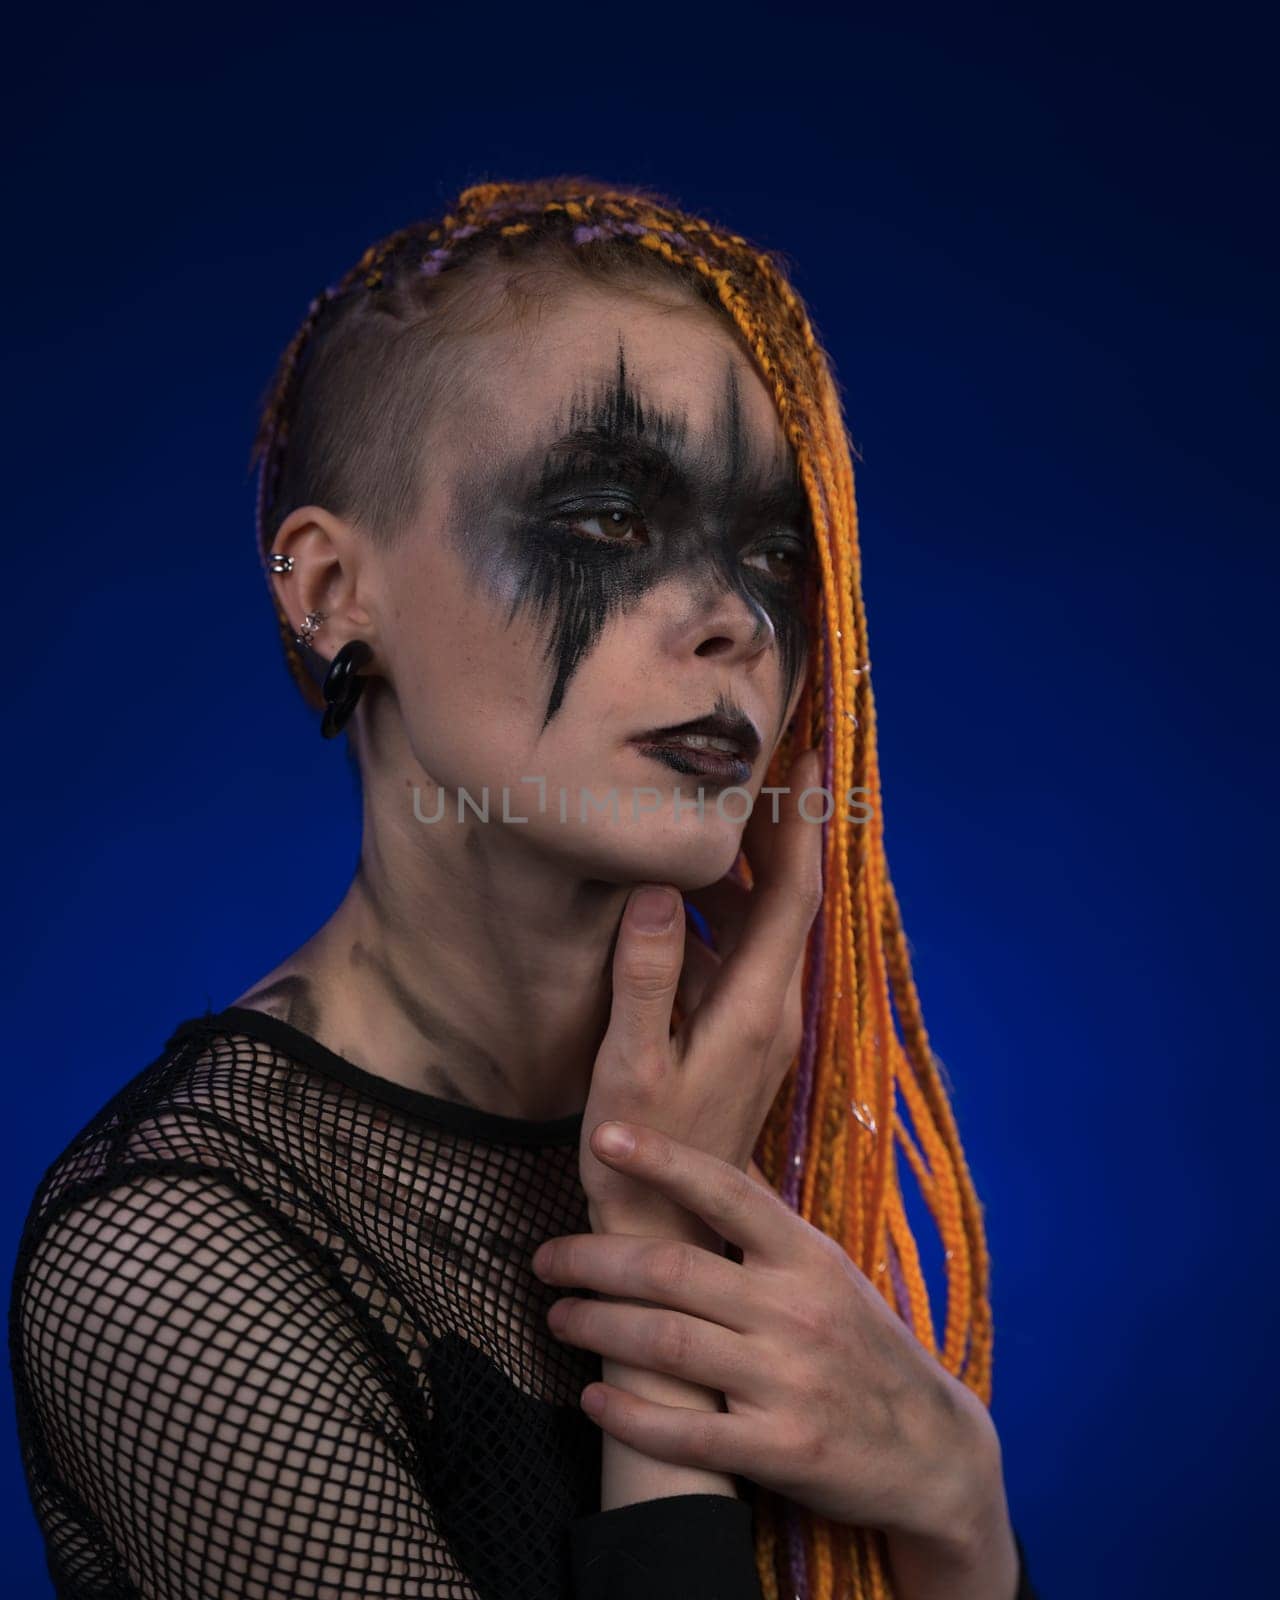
x=286 y=993
x=291 y=991
x=205 y=1104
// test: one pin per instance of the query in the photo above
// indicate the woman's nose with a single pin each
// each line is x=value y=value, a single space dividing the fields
x=731 y=625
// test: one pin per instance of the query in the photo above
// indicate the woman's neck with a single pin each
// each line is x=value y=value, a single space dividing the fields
x=461 y=962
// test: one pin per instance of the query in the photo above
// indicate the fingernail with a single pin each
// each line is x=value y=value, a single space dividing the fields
x=654 y=910
x=615 y=1140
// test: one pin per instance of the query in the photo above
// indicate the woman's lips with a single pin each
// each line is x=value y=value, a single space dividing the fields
x=695 y=762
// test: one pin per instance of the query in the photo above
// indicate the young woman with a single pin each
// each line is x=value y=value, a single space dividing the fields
x=556 y=510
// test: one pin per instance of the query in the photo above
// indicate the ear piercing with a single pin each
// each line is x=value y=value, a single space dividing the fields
x=343 y=686
x=310 y=626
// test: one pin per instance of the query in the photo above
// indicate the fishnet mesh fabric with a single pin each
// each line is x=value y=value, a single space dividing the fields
x=274 y=1334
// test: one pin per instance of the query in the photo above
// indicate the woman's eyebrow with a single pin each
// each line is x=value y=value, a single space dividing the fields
x=588 y=452
x=609 y=428
x=783 y=499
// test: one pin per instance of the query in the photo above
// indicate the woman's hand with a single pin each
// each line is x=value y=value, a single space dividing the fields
x=832 y=1400
x=711 y=1083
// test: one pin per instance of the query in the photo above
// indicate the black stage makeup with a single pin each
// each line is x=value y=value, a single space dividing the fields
x=667 y=510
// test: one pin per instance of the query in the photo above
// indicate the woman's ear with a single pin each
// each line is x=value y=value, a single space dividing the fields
x=324 y=578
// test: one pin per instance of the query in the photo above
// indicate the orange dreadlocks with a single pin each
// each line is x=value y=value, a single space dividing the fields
x=829 y=1142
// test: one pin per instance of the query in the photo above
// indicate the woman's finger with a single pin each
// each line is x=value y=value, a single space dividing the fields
x=738 y=1208
x=725 y=904
x=761 y=831
x=750 y=995
x=647 y=962
x=680 y=1435
x=701 y=967
x=669 y=1273
x=657 y=1340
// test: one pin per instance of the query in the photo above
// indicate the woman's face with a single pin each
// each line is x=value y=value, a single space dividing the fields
x=612 y=540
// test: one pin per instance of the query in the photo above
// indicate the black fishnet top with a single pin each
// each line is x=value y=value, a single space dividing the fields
x=274 y=1334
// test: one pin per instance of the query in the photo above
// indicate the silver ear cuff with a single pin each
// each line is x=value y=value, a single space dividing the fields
x=281 y=563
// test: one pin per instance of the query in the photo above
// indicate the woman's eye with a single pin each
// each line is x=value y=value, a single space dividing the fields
x=611 y=525
x=793 y=561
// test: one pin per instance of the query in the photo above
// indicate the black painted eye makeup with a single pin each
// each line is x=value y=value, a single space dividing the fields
x=796 y=554
x=627 y=527
x=617 y=499
x=614 y=522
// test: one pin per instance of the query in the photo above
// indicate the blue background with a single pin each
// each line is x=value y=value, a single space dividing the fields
x=1037 y=249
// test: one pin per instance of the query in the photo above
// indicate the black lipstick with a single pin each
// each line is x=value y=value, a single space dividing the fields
x=673 y=747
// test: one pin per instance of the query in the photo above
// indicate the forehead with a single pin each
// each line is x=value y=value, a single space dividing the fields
x=684 y=368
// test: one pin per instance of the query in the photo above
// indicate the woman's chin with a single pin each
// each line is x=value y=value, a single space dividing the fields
x=688 y=854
